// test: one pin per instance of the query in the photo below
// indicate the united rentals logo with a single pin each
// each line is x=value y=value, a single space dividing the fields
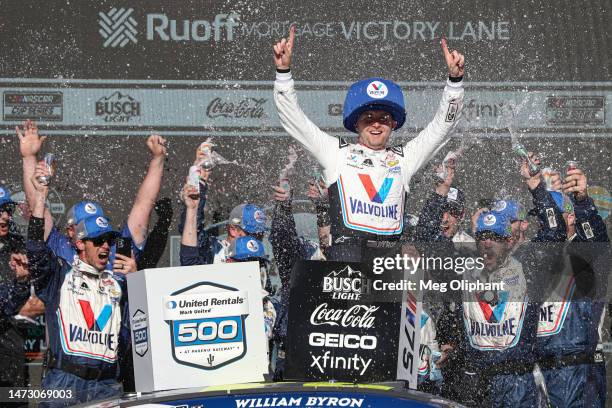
x=207 y=325
x=118 y=107
x=117 y=27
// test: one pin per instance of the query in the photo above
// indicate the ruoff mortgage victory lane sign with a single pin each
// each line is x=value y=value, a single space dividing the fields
x=205 y=326
x=341 y=329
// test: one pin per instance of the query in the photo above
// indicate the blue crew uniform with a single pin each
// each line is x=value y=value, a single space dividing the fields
x=568 y=331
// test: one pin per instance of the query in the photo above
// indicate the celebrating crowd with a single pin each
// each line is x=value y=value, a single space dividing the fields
x=550 y=352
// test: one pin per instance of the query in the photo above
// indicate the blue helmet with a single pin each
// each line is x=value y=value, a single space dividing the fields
x=373 y=94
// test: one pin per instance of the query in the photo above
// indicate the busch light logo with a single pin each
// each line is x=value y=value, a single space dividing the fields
x=117 y=27
x=377 y=90
x=347 y=284
x=118 y=107
x=207 y=325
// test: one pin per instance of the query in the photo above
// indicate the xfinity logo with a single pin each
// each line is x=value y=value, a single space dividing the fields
x=117 y=27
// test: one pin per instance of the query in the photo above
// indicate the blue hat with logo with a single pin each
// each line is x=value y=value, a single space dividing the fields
x=5 y=196
x=373 y=94
x=82 y=210
x=494 y=222
x=245 y=248
x=511 y=209
x=93 y=227
x=249 y=217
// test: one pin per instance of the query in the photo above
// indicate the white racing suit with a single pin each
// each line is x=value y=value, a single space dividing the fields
x=367 y=187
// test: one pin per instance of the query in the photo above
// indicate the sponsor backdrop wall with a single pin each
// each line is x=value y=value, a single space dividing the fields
x=100 y=77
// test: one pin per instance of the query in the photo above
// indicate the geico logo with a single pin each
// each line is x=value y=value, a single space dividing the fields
x=341 y=284
x=207 y=330
x=351 y=341
x=185 y=30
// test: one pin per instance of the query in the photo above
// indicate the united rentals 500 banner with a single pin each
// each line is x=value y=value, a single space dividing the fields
x=205 y=325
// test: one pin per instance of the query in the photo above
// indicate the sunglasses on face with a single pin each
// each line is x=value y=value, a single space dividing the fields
x=99 y=241
x=370 y=118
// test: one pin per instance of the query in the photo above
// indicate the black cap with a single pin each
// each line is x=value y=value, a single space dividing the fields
x=455 y=201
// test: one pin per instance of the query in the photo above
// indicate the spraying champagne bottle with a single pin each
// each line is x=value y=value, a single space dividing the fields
x=520 y=150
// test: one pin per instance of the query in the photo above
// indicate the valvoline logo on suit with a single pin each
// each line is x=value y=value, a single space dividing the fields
x=89 y=319
x=95 y=323
x=376 y=195
x=372 y=204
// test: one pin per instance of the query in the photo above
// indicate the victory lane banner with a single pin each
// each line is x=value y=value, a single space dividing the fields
x=340 y=330
x=204 y=323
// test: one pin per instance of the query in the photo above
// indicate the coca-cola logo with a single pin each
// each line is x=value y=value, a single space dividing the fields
x=360 y=316
x=252 y=108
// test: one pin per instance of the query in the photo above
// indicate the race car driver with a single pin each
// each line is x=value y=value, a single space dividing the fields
x=84 y=307
x=367 y=181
